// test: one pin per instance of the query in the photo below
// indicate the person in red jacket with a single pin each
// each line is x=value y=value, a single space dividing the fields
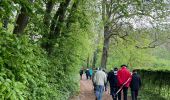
x=124 y=78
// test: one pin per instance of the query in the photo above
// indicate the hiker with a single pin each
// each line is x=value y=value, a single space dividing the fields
x=99 y=80
x=94 y=85
x=113 y=81
x=87 y=73
x=91 y=73
x=135 y=84
x=105 y=85
x=81 y=73
x=124 y=78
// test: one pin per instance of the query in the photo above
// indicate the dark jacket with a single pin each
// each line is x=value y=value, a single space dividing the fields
x=87 y=72
x=135 y=82
x=81 y=72
x=112 y=78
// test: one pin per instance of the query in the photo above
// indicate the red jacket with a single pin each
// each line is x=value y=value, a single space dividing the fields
x=123 y=75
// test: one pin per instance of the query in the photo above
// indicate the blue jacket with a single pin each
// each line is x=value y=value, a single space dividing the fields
x=91 y=72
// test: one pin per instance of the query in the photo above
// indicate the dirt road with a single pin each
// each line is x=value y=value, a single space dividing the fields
x=87 y=93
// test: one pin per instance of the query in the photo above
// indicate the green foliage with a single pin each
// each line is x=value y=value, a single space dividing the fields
x=23 y=67
x=155 y=83
x=28 y=72
x=138 y=50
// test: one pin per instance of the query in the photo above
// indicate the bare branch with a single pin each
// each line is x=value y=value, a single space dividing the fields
x=124 y=36
x=151 y=45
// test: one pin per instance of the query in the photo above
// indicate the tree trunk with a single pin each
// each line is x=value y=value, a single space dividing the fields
x=56 y=24
x=58 y=19
x=71 y=17
x=105 y=48
x=5 y=23
x=22 y=21
x=61 y=17
x=47 y=16
x=94 y=58
x=88 y=62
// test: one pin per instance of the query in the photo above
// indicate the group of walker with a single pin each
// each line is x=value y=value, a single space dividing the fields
x=89 y=73
x=119 y=80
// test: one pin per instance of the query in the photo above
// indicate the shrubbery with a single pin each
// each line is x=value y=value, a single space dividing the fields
x=28 y=74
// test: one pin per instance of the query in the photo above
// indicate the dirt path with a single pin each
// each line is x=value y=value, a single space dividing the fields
x=87 y=93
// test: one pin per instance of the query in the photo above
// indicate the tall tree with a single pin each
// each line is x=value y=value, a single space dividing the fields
x=74 y=8
x=116 y=15
x=58 y=19
x=56 y=23
x=5 y=23
x=61 y=19
x=49 y=6
x=47 y=19
x=94 y=58
x=22 y=19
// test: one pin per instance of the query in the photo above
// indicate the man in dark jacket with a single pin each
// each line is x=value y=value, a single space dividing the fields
x=135 y=85
x=113 y=81
x=81 y=73
x=87 y=73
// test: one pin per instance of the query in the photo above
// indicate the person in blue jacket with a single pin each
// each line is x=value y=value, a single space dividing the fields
x=91 y=73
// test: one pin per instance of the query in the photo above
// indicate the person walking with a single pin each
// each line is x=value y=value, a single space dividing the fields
x=94 y=85
x=87 y=74
x=81 y=73
x=135 y=85
x=124 y=79
x=99 y=79
x=113 y=81
x=105 y=85
x=91 y=73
